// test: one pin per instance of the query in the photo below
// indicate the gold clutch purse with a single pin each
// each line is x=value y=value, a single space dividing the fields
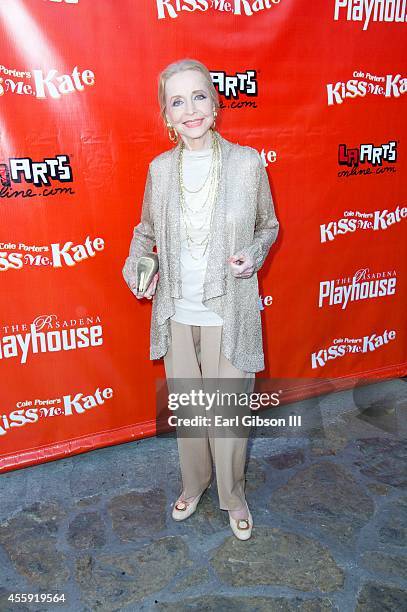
x=146 y=267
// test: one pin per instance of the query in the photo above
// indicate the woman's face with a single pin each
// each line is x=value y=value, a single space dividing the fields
x=189 y=107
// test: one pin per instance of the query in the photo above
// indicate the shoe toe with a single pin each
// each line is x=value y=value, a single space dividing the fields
x=182 y=509
x=242 y=528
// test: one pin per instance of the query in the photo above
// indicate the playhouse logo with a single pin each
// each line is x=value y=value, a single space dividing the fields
x=362 y=84
x=368 y=155
x=44 y=173
x=172 y=8
x=340 y=347
x=57 y=336
x=354 y=220
x=367 y=11
x=41 y=84
x=36 y=410
x=14 y=256
x=363 y=285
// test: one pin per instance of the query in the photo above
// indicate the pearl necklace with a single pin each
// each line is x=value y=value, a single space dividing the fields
x=203 y=184
x=214 y=174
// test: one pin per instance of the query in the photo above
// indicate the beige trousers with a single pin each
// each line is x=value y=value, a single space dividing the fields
x=195 y=353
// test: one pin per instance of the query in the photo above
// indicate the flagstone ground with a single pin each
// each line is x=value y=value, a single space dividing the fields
x=329 y=508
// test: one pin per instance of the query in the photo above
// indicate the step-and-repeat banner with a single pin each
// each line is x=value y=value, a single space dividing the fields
x=318 y=88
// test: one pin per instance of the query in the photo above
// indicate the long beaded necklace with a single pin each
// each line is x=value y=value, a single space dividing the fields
x=214 y=174
x=209 y=191
x=211 y=175
x=203 y=184
x=208 y=198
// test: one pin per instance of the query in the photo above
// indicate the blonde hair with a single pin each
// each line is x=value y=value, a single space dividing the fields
x=181 y=66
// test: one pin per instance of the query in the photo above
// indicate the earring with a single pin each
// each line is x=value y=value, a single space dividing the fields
x=215 y=114
x=172 y=136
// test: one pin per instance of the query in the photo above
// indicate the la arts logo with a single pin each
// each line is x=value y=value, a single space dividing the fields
x=44 y=174
x=171 y=8
x=231 y=85
x=367 y=158
x=363 y=84
x=40 y=84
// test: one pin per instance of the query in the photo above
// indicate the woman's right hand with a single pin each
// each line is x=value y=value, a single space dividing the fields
x=150 y=291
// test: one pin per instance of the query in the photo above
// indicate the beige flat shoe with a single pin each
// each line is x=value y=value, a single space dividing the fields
x=242 y=528
x=183 y=508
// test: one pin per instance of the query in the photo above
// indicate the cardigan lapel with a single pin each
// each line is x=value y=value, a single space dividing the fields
x=173 y=227
x=215 y=277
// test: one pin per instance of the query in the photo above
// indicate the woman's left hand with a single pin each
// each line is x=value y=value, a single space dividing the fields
x=242 y=266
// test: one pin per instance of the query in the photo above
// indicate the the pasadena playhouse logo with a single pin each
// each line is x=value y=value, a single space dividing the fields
x=40 y=84
x=357 y=220
x=368 y=11
x=173 y=8
x=49 y=176
x=49 y=334
x=365 y=83
x=15 y=256
x=36 y=410
x=363 y=285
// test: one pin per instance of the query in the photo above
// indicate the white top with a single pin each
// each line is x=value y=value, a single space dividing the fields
x=189 y=309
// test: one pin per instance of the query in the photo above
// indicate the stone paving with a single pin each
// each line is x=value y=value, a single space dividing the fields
x=330 y=515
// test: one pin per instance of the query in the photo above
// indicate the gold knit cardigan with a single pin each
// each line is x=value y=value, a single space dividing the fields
x=244 y=221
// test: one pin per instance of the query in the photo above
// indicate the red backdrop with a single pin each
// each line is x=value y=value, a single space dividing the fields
x=317 y=88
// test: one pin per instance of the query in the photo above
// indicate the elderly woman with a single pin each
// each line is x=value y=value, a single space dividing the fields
x=209 y=211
